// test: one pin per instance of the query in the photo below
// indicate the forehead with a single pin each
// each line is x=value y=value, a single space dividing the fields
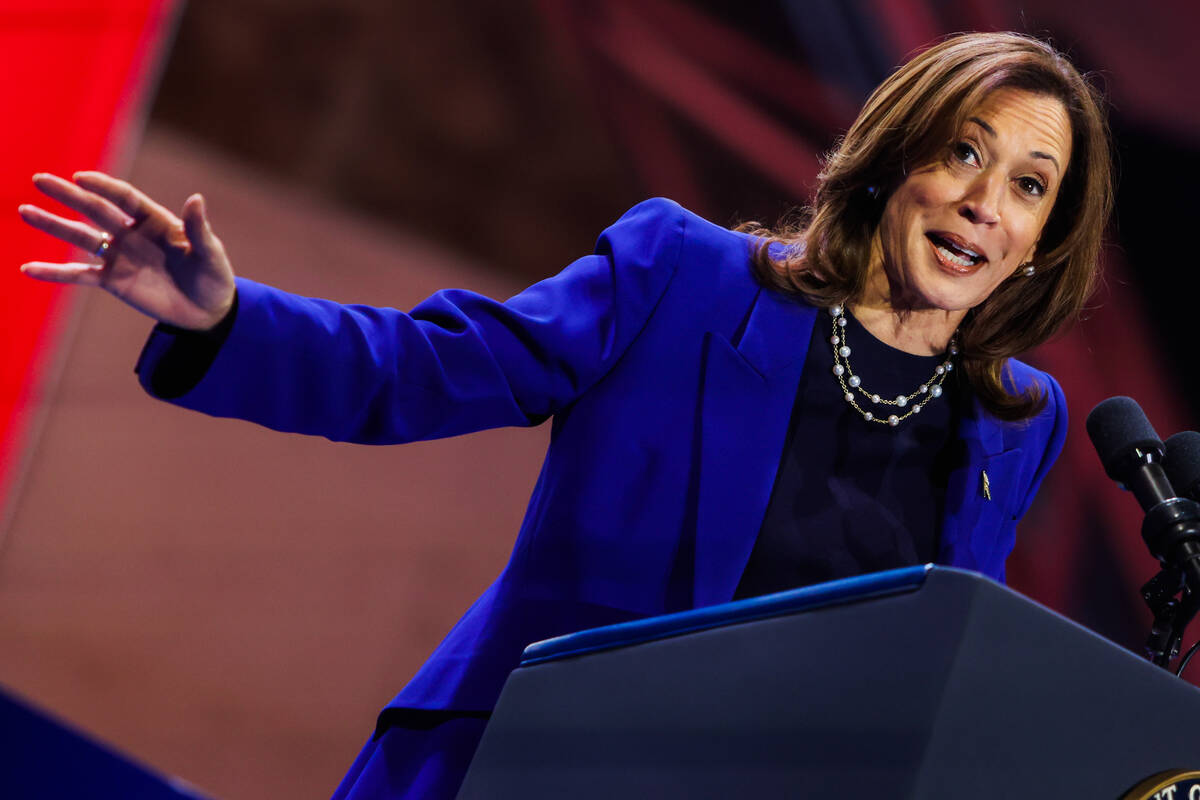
x=1028 y=121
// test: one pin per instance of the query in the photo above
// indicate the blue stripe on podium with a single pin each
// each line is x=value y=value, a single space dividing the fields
x=846 y=590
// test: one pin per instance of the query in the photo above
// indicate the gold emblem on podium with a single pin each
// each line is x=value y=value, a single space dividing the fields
x=1174 y=784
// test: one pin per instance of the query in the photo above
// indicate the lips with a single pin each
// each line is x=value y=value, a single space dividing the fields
x=955 y=253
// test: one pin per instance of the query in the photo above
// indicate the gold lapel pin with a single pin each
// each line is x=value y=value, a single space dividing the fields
x=987 y=486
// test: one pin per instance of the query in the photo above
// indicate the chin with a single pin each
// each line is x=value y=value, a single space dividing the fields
x=948 y=296
x=959 y=292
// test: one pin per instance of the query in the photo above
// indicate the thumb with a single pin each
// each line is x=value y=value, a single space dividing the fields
x=196 y=225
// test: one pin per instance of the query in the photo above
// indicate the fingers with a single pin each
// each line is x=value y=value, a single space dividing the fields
x=123 y=195
x=96 y=208
x=77 y=233
x=196 y=226
x=81 y=274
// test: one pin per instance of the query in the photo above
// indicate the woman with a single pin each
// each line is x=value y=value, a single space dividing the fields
x=734 y=412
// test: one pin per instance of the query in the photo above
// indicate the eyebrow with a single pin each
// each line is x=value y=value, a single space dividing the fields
x=1035 y=153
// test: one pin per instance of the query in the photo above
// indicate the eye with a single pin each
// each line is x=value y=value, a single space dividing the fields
x=964 y=152
x=1031 y=186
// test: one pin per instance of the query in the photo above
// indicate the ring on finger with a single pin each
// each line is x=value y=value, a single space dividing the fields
x=101 y=251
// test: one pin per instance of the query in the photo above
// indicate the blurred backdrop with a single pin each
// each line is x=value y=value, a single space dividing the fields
x=233 y=606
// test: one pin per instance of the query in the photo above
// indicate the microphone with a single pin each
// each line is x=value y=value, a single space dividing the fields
x=1133 y=455
x=1182 y=463
x=1130 y=450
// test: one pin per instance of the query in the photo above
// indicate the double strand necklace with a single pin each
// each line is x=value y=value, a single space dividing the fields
x=852 y=387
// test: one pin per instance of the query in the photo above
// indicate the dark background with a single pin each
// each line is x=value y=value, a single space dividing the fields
x=507 y=127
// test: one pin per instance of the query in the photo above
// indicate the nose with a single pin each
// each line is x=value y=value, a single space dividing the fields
x=981 y=200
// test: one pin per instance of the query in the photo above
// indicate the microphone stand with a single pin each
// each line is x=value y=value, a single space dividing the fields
x=1132 y=455
x=1171 y=530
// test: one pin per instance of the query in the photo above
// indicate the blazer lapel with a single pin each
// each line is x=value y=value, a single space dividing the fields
x=973 y=516
x=747 y=396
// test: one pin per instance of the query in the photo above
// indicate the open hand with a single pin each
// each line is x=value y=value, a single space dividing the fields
x=171 y=268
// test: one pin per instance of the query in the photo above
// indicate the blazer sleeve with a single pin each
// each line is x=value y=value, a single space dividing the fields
x=457 y=362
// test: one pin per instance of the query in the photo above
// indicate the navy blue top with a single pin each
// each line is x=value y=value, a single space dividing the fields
x=853 y=496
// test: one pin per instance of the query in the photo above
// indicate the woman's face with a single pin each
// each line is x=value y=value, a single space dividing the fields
x=954 y=230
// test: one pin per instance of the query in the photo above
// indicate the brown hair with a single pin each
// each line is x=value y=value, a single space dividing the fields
x=909 y=122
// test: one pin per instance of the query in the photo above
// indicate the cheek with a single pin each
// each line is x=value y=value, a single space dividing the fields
x=902 y=216
x=928 y=193
x=913 y=202
x=1025 y=241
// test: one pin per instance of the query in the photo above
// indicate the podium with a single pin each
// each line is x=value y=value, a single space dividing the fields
x=924 y=682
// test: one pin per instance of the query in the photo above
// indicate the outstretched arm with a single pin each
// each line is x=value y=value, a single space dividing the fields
x=172 y=269
x=457 y=362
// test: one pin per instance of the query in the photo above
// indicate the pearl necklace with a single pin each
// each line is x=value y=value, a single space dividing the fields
x=852 y=383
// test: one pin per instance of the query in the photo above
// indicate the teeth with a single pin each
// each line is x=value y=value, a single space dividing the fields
x=962 y=249
x=954 y=258
x=954 y=247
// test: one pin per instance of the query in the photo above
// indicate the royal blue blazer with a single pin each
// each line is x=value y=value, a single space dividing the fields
x=668 y=374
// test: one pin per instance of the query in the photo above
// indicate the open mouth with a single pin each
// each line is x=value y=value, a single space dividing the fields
x=954 y=252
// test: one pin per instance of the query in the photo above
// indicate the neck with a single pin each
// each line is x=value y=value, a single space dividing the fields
x=917 y=331
x=897 y=321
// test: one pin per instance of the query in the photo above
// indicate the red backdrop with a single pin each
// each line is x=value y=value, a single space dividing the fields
x=76 y=81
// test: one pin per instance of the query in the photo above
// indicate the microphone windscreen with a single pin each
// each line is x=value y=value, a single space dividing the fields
x=1117 y=428
x=1182 y=462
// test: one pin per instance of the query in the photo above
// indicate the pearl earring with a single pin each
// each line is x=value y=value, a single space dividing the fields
x=1028 y=270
